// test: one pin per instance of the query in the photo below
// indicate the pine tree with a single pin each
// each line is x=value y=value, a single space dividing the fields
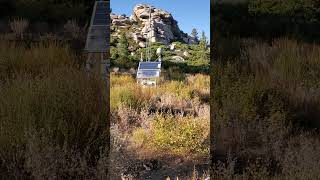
x=202 y=47
x=123 y=48
x=194 y=33
x=203 y=41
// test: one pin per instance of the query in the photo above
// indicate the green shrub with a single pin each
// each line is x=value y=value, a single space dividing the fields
x=129 y=96
x=176 y=136
x=181 y=135
x=176 y=87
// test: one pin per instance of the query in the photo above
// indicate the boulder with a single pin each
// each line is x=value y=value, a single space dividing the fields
x=161 y=28
x=177 y=59
x=142 y=44
x=133 y=18
x=115 y=69
x=137 y=37
x=113 y=16
x=172 y=46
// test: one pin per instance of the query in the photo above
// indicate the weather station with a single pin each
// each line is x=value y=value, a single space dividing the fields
x=148 y=72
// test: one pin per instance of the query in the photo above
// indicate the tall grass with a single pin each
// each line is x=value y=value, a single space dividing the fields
x=124 y=90
x=287 y=60
x=264 y=99
x=53 y=115
x=39 y=59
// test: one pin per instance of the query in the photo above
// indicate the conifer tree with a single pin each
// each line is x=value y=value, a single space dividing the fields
x=194 y=33
x=203 y=41
x=123 y=48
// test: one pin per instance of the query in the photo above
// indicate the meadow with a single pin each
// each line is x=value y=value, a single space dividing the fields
x=53 y=118
x=266 y=102
x=167 y=125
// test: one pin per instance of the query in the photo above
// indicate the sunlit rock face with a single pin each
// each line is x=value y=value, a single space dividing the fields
x=161 y=28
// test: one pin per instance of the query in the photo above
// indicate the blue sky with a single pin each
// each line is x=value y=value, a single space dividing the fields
x=189 y=13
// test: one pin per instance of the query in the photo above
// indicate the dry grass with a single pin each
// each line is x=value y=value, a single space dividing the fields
x=53 y=116
x=72 y=28
x=169 y=120
x=19 y=26
x=37 y=60
x=265 y=101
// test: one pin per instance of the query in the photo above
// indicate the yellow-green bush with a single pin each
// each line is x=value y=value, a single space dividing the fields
x=125 y=91
x=121 y=80
x=180 y=89
x=139 y=136
x=132 y=96
x=199 y=81
x=176 y=136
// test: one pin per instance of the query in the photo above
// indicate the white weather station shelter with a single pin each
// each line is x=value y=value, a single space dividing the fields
x=148 y=72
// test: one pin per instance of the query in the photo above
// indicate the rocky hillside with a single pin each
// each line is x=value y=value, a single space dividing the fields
x=164 y=28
